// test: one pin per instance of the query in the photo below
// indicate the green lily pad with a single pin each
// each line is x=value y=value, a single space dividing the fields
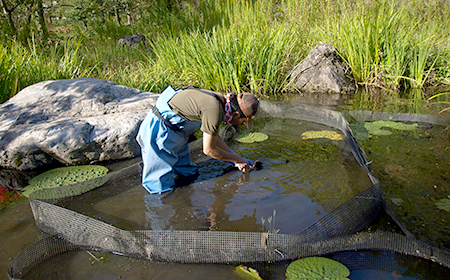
x=248 y=273
x=359 y=131
x=395 y=125
x=252 y=137
x=328 y=134
x=317 y=268
x=444 y=204
x=375 y=127
x=381 y=132
x=66 y=176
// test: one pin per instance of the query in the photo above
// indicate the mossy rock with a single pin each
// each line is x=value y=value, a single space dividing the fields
x=317 y=268
x=252 y=137
x=327 y=134
x=74 y=180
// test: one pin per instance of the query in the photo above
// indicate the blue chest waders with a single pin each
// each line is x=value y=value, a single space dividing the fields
x=165 y=151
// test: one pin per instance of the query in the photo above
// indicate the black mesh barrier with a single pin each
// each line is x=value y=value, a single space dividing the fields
x=338 y=231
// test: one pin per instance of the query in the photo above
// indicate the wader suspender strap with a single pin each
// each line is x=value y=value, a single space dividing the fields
x=166 y=122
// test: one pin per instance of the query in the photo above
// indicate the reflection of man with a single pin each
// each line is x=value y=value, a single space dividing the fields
x=164 y=132
x=158 y=214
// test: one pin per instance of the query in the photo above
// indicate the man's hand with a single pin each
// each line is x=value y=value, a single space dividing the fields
x=243 y=166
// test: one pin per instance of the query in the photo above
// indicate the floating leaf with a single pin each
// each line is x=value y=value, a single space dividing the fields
x=382 y=132
x=252 y=137
x=65 y=176
x=248 y=273
x=444 y=204
x=317 y=268
x=332 y=135
x=395 y=125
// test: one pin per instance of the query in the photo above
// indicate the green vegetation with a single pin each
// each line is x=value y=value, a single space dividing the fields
x=325 y=134
x=223 y=45
x=316 y=268
x=252 y=137
x=44 y=186
x=245 y=272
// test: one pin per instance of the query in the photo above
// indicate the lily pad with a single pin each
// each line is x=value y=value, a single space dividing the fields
x=245 y=272
x=395 y=125
x=359 y=131
x=444 y=204
x=252 y=137
x=375 y=127
x=381 y=132
x=317 y=268
x=65 y=176
x=328 y=134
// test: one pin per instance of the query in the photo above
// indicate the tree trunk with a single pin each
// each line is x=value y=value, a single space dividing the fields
x=41 y=18
x=100 y=3
x=9 y=12
x=118 y=16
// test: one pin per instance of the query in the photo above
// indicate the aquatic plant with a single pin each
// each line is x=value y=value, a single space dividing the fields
x=252 y=137
x=7 y=197
x=66 y=176
x=395 y=125
x=363 y=131
x=327 y=134
x=271 y=221
x=316 y=268
x=442 y=94
x=444 y=204
x=245 y=272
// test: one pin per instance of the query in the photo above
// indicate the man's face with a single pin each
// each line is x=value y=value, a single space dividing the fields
x=237 y=120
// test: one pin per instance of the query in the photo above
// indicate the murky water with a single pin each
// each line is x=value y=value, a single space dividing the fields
x=414 y=170
x=301 y=181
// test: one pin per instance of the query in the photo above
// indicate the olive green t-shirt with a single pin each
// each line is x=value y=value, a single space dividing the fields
x=199 y=105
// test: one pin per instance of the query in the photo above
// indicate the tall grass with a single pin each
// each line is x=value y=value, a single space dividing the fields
x=385 y=43
x=230 y=45
x=232 y=59
x=22 y=66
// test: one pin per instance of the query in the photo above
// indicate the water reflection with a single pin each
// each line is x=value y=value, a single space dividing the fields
x=407 y=101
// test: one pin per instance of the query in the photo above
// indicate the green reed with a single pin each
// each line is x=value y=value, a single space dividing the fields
x=229 y=45
x=22 y=66
x=229 y=59
x=385 y=43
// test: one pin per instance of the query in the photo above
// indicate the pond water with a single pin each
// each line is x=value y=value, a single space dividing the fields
x=301 y=181
x=414 y=170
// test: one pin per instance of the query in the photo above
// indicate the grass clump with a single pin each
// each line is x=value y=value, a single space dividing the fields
x=227 y=45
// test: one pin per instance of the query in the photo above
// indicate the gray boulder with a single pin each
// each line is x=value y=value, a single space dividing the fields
x=71 y=121
x=322 y=71
x=132 y=41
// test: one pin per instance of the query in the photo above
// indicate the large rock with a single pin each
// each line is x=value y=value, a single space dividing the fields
x=322 y=71
x=131 y=41
x=71 y=121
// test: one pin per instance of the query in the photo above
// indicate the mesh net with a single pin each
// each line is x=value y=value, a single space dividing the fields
x=335 y=232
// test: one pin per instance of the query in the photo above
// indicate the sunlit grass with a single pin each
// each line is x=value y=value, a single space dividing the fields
x=23 y=66
x=229 y=45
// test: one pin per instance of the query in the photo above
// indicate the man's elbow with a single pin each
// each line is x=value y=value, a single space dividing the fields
x=210 y=152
